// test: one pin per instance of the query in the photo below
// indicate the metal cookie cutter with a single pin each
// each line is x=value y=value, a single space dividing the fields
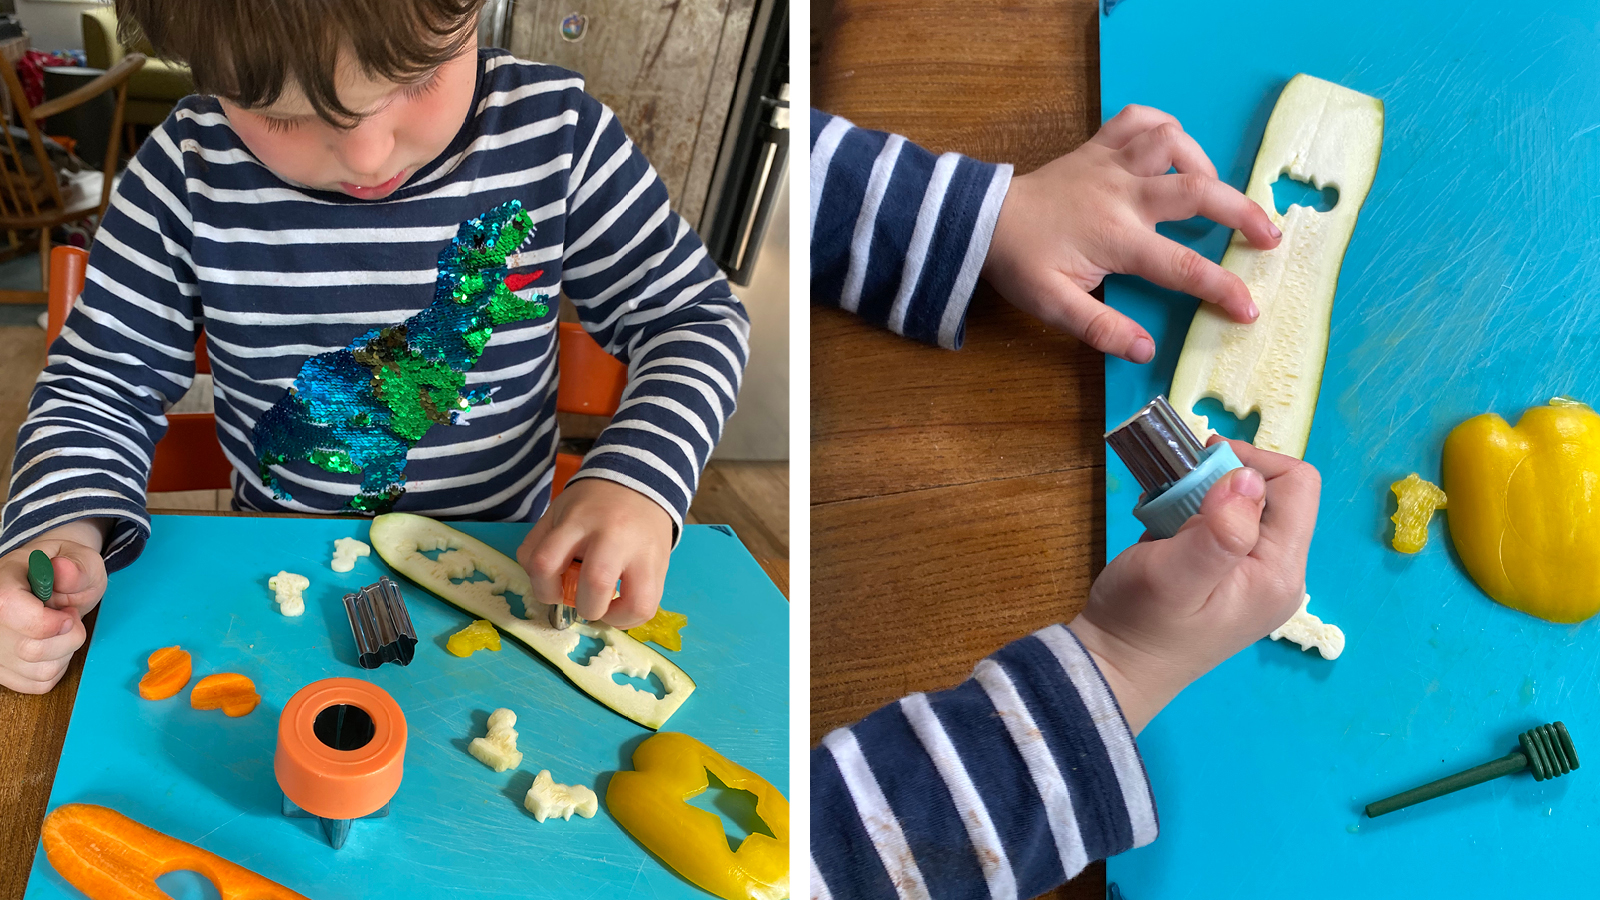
x=381 y=624
x=1170 y=463
x=341 y=754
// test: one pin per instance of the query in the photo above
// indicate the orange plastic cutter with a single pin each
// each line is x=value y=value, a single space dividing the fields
x=341 y=751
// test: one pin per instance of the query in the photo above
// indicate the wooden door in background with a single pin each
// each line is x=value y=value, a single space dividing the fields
x=666 y=67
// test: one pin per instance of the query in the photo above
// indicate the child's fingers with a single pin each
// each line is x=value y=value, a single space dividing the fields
x=1176 y=267
x=545 y=555
x=1131 y=121
x=1294 y=490
x=25 y=685
x=80 y=576
x=22 y=614
x=1164 y=147
x=1213 y=542
x=46 y=673
x=642 y=584
x=1171 y=198
x=39 y=650
x=597 y=582
x=1069 y=308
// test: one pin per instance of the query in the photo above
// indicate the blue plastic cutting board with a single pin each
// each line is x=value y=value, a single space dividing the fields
x=456 y=827
x=1472 y=284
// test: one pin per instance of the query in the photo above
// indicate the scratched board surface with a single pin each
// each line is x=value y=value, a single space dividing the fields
x=1472 y=284
x=456 y=827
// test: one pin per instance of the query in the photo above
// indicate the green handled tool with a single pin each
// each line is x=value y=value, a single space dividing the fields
x=41 y=575
x=1546 y=750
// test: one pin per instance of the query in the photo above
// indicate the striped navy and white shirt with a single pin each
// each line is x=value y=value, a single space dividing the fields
x=899 y=235
x=1004 y=786
x=1010 y=783
x=200 y=234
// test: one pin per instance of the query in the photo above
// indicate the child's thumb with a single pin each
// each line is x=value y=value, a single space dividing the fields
x=79 y=570
x=1225 y=530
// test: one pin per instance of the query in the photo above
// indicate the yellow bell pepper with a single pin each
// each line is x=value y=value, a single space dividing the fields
x=1415 y=502
x=1524 y=508
x=662 y=628
x=480 y=635
x=650 y=802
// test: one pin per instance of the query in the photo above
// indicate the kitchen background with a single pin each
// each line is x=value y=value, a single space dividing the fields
x=700 y=86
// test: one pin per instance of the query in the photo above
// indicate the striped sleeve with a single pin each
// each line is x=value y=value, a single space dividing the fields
x=1004 y=786
x=648 y=292
x=899 y=235
x=125 y=355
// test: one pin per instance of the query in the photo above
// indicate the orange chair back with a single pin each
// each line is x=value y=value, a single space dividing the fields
x=592 y=382
x=189 y=458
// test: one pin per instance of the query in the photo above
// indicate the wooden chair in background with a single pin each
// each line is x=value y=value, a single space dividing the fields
x=189 y=458
x=33 y=197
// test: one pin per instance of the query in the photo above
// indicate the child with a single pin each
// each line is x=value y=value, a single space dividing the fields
x=1013 y=781
x=371 y=220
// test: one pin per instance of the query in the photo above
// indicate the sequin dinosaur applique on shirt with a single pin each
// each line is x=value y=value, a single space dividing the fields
x=361 y=409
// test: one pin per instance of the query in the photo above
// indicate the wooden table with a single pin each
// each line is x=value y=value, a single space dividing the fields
x=33 y=727
x=957 y=497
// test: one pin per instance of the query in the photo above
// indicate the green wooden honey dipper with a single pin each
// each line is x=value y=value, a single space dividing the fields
x=1546 y=750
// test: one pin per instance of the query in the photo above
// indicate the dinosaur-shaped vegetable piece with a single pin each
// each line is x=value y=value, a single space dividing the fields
x=662 y=628
x=498 y=750
x=230 y=692
x=480 y=635
x=1415 y=502
x=402 y=539
x=547 y=799
x=169 y=671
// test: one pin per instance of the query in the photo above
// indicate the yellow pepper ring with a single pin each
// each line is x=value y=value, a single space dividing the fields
x=650 y=802
x=1524 y=508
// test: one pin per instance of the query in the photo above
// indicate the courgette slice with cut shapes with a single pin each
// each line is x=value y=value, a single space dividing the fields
x=403 y=540
x=1325 y=135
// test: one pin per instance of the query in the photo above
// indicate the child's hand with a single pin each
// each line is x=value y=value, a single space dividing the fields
x=1065 y=227
x=1163 y=613
x=618 y=533
x=37 y=640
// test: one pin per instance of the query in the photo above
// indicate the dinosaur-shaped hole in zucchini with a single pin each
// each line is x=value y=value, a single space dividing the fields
x=1289 y=191
x=1226 y=423
x=588 y=647
x=735 y=807
x=513 y=599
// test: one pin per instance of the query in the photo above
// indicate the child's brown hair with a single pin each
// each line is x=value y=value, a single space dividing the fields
x=248 y=51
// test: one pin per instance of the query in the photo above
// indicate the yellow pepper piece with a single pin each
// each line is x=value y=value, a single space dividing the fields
x=670 y=768
x=1416 y=500
x=480 y=635
x=1525 y=508
x=662 y=628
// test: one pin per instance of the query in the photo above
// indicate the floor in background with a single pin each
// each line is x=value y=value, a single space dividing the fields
x=20 y=274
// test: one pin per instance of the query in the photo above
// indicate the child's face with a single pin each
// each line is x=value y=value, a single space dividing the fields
x=405 y=127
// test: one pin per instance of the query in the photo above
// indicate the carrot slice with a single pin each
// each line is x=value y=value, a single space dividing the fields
x=233 y=693
x=170 y=668
x=109 y=856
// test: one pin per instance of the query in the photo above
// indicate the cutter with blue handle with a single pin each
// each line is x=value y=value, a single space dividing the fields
x=1171 y=465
